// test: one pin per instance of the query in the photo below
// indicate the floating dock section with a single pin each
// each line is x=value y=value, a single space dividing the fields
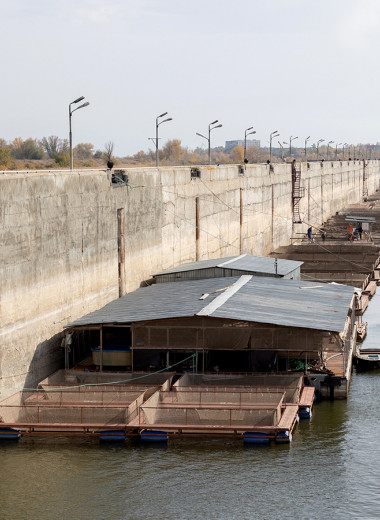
x=255 y=408
x=76 y=402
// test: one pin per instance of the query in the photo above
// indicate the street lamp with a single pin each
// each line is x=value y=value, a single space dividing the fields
x=208 y=139
x=245 y=139
x=320 y=141
x=290 y=144
x=328 y=145
x=271 y=136
x=336 y=150
x=157 y=125
x=70 y=132
x=344 y=146
x=282 y=150
x=306 y=140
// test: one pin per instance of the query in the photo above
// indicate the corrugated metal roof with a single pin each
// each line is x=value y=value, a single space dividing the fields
x=276 y=301
x=254 y=264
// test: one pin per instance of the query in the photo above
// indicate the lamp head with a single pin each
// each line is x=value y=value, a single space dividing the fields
x=77 y=100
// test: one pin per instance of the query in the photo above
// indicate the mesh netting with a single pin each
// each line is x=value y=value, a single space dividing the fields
x=209 y=417
x=262 y=380
x=221 y=397
x=76 y=377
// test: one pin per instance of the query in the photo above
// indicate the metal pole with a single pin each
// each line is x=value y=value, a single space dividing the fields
x=270 y=149
x=157 y=161
x=306 y=140
x=209 y=144
x=70 y=139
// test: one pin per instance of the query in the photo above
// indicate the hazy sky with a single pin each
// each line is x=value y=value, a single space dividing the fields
x=302 y=67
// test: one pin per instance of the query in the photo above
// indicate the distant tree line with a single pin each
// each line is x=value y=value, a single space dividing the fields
x=53 y=152
x=48 y=152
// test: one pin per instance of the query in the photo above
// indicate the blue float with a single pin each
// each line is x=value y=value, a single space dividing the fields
x=9 y=434
x=153 y=436
x=305 y=413
x=112 y=436
x=256 y=438
x=284 y=437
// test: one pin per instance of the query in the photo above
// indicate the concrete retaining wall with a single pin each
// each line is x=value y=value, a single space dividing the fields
x=59 y=238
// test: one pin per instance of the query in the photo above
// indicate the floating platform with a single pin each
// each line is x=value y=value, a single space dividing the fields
x=254 y=407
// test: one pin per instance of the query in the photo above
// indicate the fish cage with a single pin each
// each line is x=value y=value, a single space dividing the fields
x=195 y=411
x=290 y=384
x=25 y=410
x=72 y=401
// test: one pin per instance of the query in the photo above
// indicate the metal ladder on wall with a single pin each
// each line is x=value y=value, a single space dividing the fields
x=365 y=177
x=297 y=192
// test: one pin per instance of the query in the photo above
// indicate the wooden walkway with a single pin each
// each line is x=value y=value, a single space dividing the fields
x=307 y=397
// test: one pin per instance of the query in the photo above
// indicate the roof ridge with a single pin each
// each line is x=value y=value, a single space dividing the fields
x=222 y=298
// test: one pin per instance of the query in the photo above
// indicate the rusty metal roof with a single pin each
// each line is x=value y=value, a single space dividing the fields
x=250 y=263
x=289 y=303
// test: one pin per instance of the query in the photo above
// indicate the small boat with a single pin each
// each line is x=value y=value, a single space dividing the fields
x=361 y=330
x=367 y=359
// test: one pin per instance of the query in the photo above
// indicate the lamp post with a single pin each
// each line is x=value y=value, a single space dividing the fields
x=70 y=131
x=290 y=144
x=328 y=146
x=245 y=139
x=306 y=140
x=336 y=150
x=208 y=139
x=318 y=143
x=282 y=150
x=271 y=136
x=158 y=123
x=344 y=146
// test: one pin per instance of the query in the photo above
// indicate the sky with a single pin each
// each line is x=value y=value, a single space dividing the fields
x=302 y=67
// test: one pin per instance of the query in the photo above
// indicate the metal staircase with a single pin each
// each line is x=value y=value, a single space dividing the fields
x=297 y=192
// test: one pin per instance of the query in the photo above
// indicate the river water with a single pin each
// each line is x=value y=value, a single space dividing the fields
x=331 y=470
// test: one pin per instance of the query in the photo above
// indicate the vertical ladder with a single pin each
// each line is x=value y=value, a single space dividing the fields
x=297 y=192
x=365 y=177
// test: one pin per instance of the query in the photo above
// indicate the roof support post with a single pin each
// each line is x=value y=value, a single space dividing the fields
x=101 y=348
x=197 y=231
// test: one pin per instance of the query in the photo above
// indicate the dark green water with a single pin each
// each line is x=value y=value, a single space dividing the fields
x=331 y=470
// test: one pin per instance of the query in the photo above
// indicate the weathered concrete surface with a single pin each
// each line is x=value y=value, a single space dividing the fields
x=59 y=238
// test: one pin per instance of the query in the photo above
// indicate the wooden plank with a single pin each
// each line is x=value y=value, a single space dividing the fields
x=288 y=418
x=307 y=396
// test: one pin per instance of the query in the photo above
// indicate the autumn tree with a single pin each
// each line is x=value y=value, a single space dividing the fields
x=108 y=150
x=173 y=151
x=5 y=154
x=28 y=149
x=53 y=145
x=84 y=151
x=237 y=154
x=140 y=156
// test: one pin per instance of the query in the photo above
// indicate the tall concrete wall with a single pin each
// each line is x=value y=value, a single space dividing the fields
x=59 y=238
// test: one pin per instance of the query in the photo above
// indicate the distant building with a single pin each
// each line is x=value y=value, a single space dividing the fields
x=230 y=145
